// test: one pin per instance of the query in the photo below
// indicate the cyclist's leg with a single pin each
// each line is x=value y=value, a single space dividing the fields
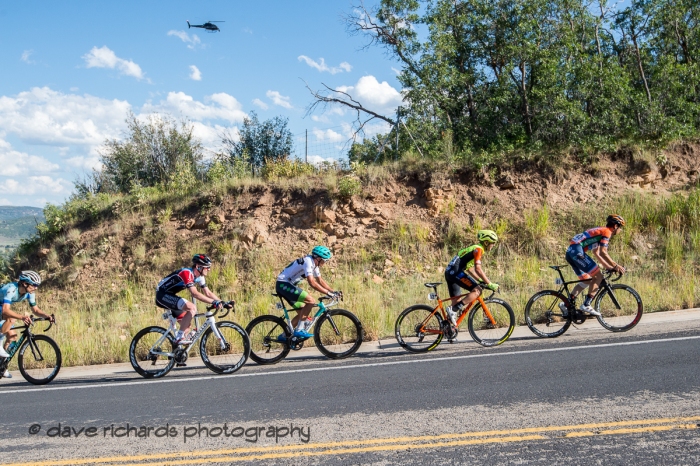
x=182 y=309
x=299 y=299
x=583 y=266
x=464 y=280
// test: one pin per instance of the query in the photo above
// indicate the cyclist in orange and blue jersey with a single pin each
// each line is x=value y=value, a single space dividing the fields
x=466 y=263
x=595 y=240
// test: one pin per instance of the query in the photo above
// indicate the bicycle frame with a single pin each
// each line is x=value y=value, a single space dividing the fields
x=604 y=285
x=453 y=300
x=209 y=322
x=26 y=333
x=322 y=309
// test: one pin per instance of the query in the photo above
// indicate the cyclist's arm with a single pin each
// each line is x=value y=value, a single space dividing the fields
x=602 y=256
x=210 y=294
x=201 y=296
x=318 y=284
x=8 y=313
x=37 y=311
x=479 y=273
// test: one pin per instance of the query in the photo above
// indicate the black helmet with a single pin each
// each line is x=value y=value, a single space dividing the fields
x=201 y=259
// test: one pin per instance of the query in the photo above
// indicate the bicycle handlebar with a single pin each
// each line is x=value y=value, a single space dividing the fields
x=609 y=273
x=228 y=305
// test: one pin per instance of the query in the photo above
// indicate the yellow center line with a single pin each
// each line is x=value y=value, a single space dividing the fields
x=284 y=451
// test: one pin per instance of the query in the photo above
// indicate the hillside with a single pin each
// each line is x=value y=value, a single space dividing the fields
x=17 y=223
x=398 y=230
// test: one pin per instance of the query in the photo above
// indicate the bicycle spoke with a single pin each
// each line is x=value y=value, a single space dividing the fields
x=228 y=354
x=493 y=324
x=338 y=334
x=544 y=316
x=418 y=329
x=620 y=308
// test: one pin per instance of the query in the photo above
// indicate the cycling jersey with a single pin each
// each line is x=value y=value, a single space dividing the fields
x=592 y=238
x=299 y=269
x=10 y=294
x=179 y=280
x=465 y=259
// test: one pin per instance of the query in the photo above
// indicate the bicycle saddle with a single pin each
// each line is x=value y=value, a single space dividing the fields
x=558 y=267
x=433 y=285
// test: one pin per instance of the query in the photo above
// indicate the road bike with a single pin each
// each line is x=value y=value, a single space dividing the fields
x=337 y=333
x=224 y=345
x=38 y=356
x=550 y=313
x=421 y=328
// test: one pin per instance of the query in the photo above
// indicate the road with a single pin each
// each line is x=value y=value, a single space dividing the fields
x=588 y=397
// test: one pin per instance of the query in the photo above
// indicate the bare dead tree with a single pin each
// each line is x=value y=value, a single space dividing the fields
x=329 y=96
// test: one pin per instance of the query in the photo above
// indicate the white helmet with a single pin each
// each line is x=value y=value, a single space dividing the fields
x=31 y=277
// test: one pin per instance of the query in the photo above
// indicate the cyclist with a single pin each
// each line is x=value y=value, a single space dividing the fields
x=596 y=240
x=186 y=278
x=463 y=267
x=287 y=281
x=14 y=292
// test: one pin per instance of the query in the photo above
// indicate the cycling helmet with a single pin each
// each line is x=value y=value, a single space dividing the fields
x=487 y=236
x=30 y=277
x=615 y=219
x=201 y=259
x=322 y=252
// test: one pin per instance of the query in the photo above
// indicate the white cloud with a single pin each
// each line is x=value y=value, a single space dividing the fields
x=84 y=162
x=327 y=135
x=220 y=106
x=36 y=184
x=44 y=116
x=191 y=41
x=195 y=74
x=317 y=159
x=260 y=104
x=103 y=57
x=374 y=94
x=5 y=201
x=248 y=30
x=13 y=163
x=278 y=99
x=25 y=56
x=321 y=65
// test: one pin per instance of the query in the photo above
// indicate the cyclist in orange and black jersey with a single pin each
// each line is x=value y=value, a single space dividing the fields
x=468 y=260
x=596 y=240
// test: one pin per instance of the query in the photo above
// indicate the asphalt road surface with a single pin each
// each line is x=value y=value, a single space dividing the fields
x=588 y=397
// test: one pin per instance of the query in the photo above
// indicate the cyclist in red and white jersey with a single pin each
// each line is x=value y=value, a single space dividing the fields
x=186 y=278
x=595 y=240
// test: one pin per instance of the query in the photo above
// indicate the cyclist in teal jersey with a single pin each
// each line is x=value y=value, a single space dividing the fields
x=21 y=290
x=595 y=240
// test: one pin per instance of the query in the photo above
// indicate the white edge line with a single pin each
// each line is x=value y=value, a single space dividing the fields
x=353 y=366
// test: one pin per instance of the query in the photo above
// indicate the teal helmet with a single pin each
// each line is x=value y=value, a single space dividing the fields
x=322 y=252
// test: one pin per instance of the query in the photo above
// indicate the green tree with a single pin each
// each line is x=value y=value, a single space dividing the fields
x=259 y=142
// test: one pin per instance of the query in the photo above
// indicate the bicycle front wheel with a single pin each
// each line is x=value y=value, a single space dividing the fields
x=145 y=352
x=544 y=316
x=268 y=339
x=493 y=327
x=39 y=360
x=418 y=329
x=620 y=308
x=227 y=355
x=338 y=334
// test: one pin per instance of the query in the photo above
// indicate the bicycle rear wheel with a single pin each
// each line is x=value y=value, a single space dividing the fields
x=40 y=361
x=418 y=329
x=493 y=330
x=268 y=339
x=144 y=349
x=620 y=308
x=229 y=355
x=338 y=334
x=544 y=316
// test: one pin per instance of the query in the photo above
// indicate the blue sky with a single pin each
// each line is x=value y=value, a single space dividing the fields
x=72 y=70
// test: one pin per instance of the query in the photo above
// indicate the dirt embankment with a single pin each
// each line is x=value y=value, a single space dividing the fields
x=291 y=219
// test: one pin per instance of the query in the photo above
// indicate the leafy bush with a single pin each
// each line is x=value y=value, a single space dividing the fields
x=349 y=186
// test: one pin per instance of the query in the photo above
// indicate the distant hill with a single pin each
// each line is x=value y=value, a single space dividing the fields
x=17 y=223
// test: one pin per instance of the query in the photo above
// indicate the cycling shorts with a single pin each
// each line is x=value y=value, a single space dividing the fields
x=292 y=294
x=455 y=283
x=584 y=267
x=172 y=302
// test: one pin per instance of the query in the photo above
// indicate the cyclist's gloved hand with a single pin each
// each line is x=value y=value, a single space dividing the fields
x=217 y=304
x=492 y=286
x=337 y=295
x=229 y=305
x=52 y=319
x=619 y=269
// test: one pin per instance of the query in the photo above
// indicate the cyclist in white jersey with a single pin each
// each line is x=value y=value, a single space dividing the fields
x=15 y=292
x=306 y=267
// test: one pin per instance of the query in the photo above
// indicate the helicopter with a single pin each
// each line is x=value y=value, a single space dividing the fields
x=209 y=26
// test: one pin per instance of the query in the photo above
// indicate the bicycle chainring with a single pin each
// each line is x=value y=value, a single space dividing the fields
x=296 y=343
x=180 y=355
x=449 y=330
x=579 y=317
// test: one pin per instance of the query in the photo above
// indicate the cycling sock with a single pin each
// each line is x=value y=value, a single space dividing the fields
x=587 y=301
